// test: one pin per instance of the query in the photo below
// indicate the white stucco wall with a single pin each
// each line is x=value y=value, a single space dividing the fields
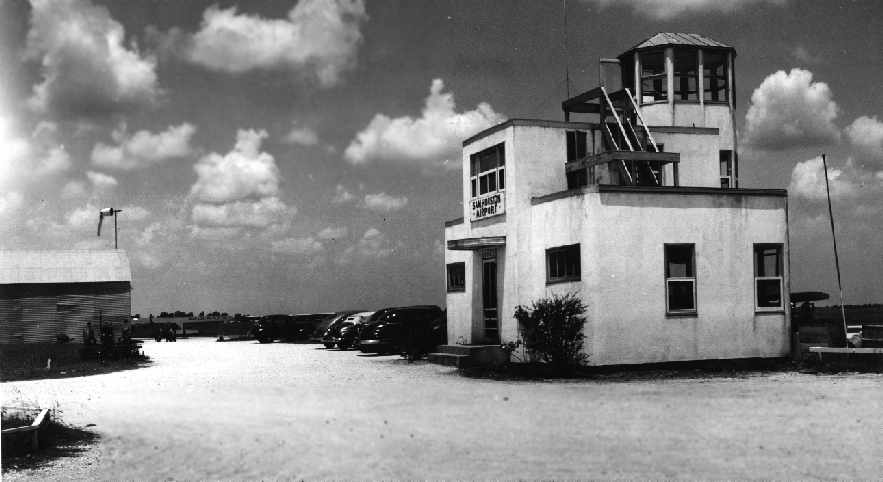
x=622 y=237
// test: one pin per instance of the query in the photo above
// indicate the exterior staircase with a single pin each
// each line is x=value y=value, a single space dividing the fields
x=465 y=356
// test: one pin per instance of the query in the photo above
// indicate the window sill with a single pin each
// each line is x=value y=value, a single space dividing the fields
x=561 y=280
x=769 y=311
x=681 y=314
x=657 y=102
x=458 y=290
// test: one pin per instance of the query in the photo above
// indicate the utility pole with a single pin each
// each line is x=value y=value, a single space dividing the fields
x=110 y=212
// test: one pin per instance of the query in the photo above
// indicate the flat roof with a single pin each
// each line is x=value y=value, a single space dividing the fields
x=529 y=122
x=63 y=266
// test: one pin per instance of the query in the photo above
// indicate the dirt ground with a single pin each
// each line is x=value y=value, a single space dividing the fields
x=241 y=410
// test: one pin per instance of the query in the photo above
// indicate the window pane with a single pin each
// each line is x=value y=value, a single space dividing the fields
x=482 y=181
x=680 y=295
x=686 y=75
x=767 y=261
x=473 y=186
x=571 y=145
x=580 y=145
x=714 y=73
x=769 y=293
x=725 y=183
x=653 y=82
x=563 y=263
x=680 y=260
x=502 y=176
x=492 y=182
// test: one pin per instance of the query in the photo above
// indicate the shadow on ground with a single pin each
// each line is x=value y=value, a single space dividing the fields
x=76 y=369
x=57 y=440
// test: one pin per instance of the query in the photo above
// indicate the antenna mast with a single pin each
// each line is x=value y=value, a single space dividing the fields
x=566 y=53
x=834 y=237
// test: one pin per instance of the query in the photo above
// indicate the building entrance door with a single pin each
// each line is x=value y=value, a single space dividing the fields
x=489 y=309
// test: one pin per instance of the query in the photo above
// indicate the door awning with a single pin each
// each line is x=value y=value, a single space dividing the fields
x=468 y=244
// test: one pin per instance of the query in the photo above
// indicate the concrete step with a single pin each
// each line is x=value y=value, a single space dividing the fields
x=449 y=359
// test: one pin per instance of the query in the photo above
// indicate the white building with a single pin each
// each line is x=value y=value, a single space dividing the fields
x=636 y=208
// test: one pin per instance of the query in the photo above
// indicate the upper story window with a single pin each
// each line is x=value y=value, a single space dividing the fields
x=726 y=169
x=576 y=145
x=654 y=83
x=488 y=169
x=686 y=74
x=715 y=77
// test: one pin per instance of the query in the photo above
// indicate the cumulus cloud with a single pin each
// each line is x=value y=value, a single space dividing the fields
x=342 y=195
x=432 y=140
x=669 y=9
x=866 y=133
x=808 y=180
x=10 y=203
x=332 y=233
x=372 y=245
x=101 y=181
x=302 y=136
x=135 y=213
x=56 y=160
x=248 y=213
x=383 y=202
x=83 y=216
x=244 y=172
x=300 y=246
x=74 y=189
x=143 y=148
x=87 y=69
x=319 y=37
x=790 y=110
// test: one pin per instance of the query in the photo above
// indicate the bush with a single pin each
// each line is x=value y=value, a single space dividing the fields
x=552 y=330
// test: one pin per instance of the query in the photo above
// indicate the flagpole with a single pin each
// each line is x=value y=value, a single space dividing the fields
x=115 y=244
x=834 y=237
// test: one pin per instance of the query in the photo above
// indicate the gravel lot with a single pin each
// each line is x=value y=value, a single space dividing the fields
x=241 y=410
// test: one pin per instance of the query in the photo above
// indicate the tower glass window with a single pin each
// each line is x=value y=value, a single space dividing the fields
x=686 y=74
x=654 y=84
x=715 y=76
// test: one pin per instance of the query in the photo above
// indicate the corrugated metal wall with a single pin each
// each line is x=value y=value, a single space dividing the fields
x=39 y=312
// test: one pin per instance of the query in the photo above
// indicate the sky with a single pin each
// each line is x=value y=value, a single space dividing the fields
x=297 y=156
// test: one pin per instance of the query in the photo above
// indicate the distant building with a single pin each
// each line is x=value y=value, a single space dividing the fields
x=636 y=208
x=44 y=294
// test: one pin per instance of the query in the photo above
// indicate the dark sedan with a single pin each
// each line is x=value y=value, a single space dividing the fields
x=399 y=330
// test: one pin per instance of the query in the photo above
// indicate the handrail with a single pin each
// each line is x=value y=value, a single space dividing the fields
x=616 y=116
x=641 y=118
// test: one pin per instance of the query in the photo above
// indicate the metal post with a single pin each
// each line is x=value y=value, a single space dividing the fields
x=115 y=244
x=834 y=237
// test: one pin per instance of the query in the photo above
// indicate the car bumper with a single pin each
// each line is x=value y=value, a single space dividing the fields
x=375 y=346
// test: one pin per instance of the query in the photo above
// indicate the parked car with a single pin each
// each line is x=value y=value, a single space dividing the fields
x=319 y=333
x=399 y=328
x=301 y=326
x=343 y=332
x=268 y=329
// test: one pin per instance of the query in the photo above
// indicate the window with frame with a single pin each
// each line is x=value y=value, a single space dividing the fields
x=654 y=82
x=563 y=264
x=686 y=74
x=726 y=169
x=680 y=278
x=715 y=79
x=768 y=266
x=456 y=277
x=576 y=145
x=488 y=170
